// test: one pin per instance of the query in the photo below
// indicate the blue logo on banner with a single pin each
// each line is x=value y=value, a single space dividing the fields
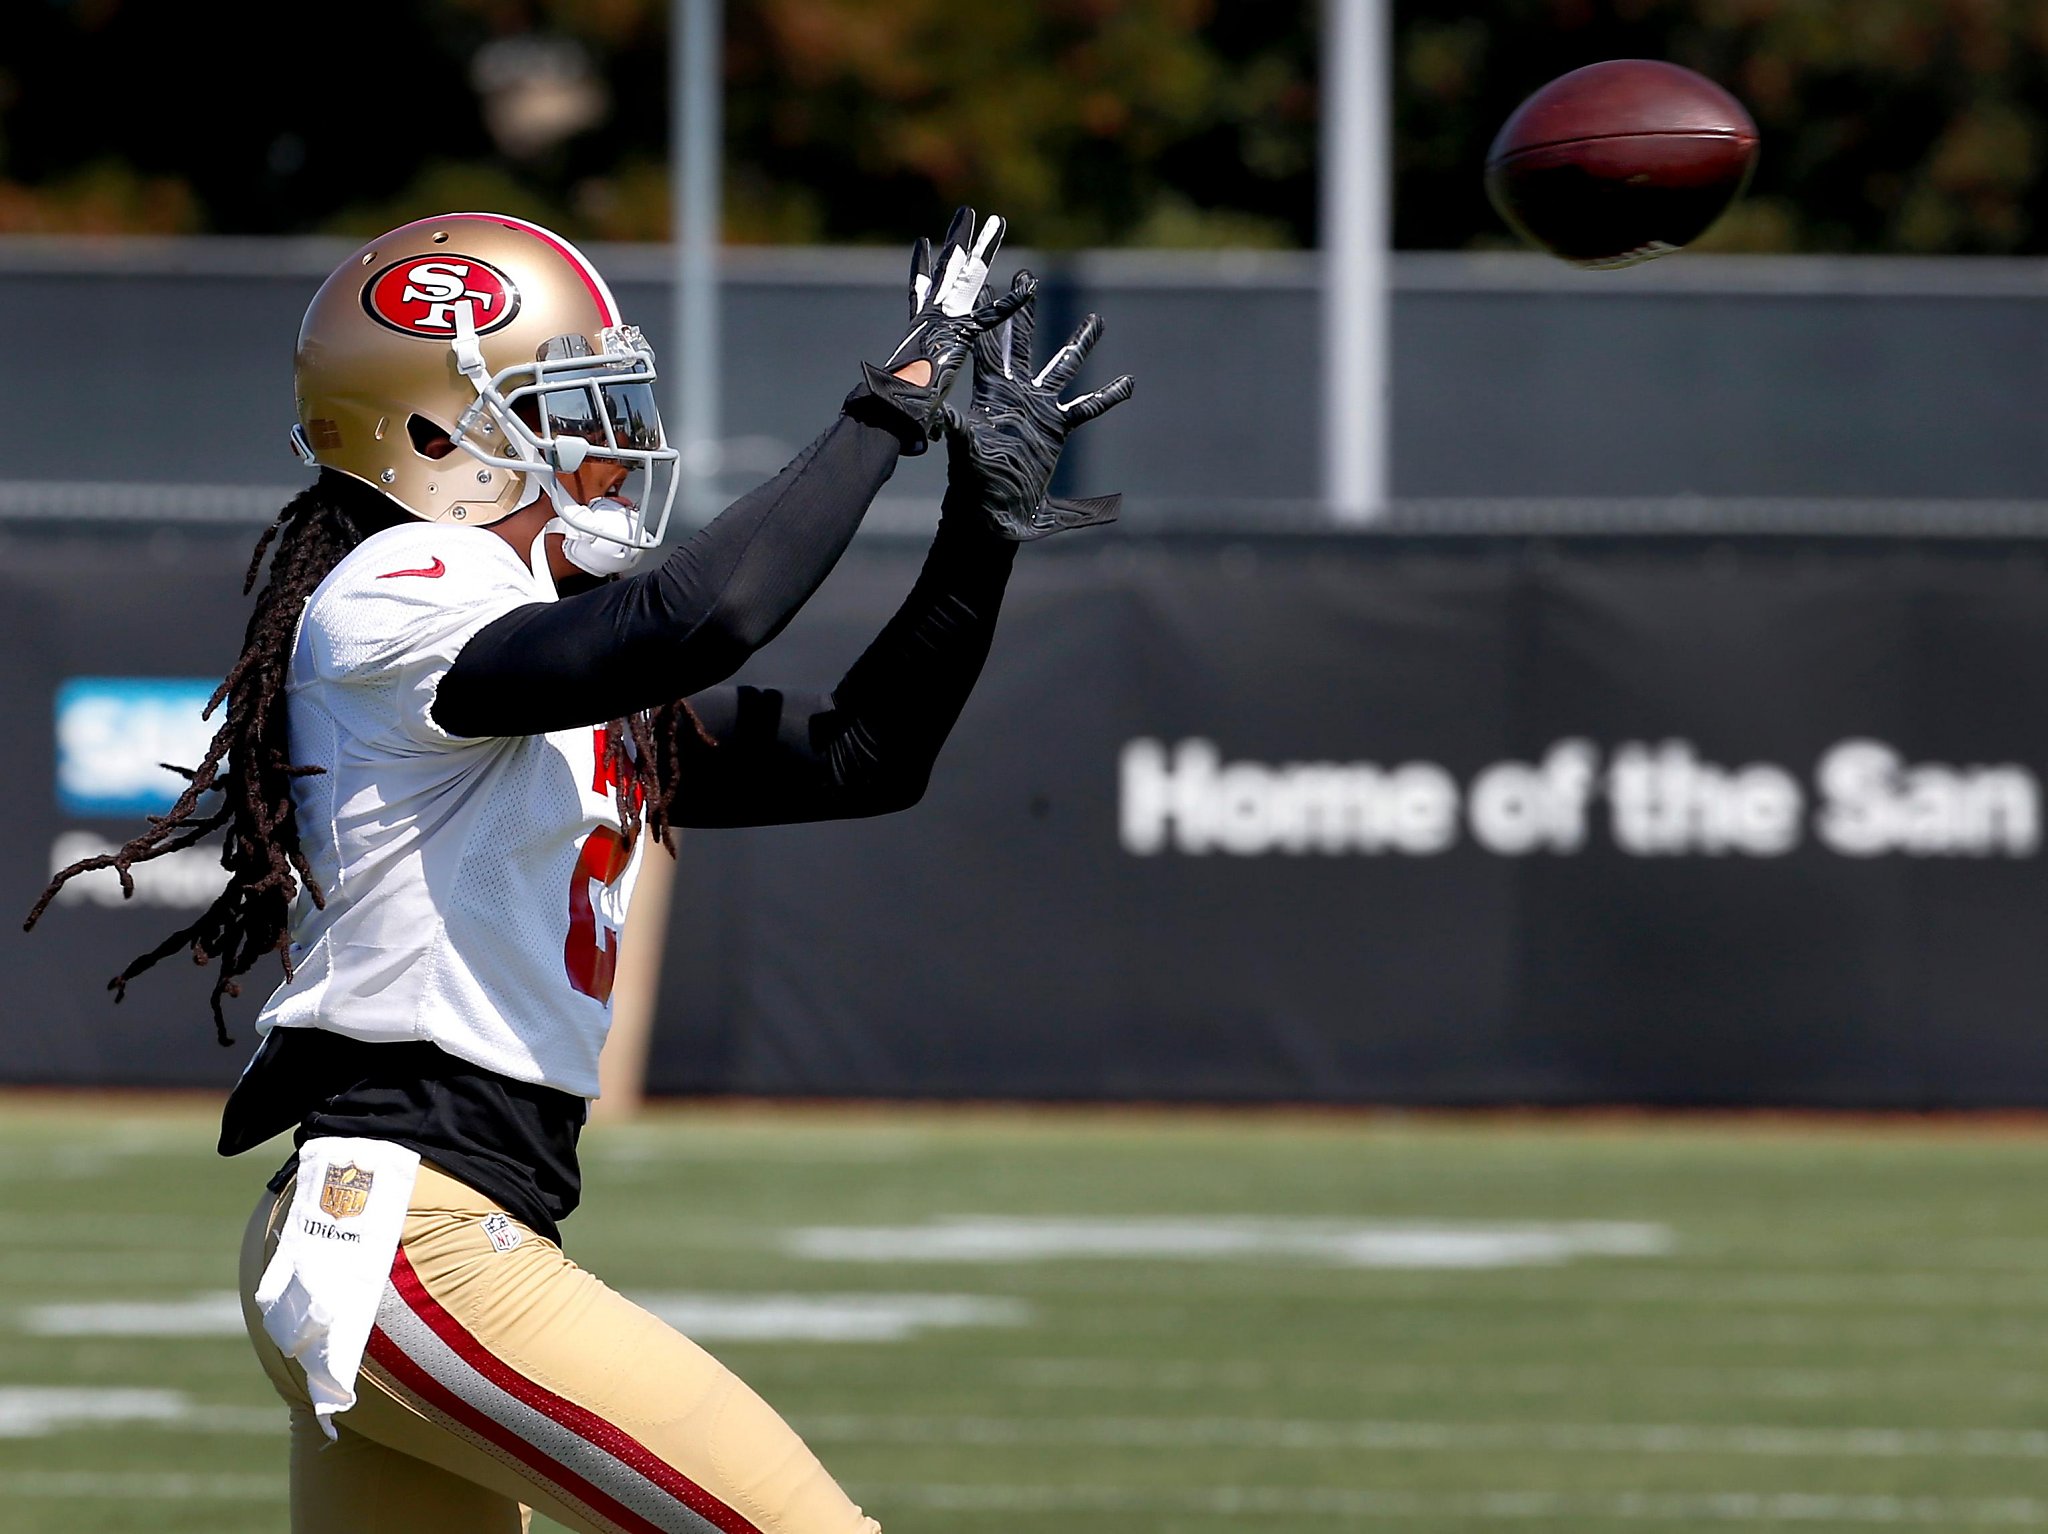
x=114 y=731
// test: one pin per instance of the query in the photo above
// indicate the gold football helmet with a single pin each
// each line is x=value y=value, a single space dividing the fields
x=462 y=363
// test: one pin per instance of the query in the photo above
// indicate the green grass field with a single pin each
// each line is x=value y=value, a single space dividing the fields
x=1098 y=1323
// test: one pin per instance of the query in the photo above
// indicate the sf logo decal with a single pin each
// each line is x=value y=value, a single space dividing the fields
x=419 y=296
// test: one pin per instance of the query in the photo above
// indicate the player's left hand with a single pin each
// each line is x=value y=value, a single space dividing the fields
x=1002 y=449
x=949 y=299
x=949 y=306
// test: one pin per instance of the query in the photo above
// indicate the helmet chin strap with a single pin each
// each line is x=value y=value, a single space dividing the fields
x=586 y=551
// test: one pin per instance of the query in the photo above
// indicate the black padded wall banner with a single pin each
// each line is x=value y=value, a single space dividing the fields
x=1502 y=823
x=1663 y=821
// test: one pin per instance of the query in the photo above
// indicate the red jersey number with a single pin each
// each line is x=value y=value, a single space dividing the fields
x=592 y=950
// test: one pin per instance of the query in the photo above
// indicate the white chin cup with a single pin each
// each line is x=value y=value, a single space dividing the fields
x=601 y=556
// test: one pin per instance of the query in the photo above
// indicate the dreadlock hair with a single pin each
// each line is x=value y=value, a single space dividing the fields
x=249 y=765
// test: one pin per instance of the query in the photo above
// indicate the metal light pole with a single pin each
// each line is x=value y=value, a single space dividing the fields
x=696 y=131
x=1356 y=234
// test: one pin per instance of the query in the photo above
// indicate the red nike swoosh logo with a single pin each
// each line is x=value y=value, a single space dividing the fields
x=433 y=571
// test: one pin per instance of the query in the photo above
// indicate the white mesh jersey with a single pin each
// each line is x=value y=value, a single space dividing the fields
x=476 y=888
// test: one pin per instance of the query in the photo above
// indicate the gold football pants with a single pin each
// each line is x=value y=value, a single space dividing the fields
x=498 y=1381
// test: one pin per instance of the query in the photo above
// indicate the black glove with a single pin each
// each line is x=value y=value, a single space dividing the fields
x=948 y=307
x=1000 y=452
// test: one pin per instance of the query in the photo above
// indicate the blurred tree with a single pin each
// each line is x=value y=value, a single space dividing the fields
x=1900 y=125
x=1087 y=122
x=268 y=128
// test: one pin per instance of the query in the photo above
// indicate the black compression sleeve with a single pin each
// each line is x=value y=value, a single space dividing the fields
x=634 y=643
x=867 y=747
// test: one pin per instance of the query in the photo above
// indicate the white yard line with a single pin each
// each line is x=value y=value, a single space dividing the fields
x=216 y=1313
x=704 y=1317
x=34 y=1411
x=1396 y=1437
x=1415 y=1245
x=37 y=1411
x=829 y=1317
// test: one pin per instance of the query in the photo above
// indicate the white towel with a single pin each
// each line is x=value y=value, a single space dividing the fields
x=319 y=1296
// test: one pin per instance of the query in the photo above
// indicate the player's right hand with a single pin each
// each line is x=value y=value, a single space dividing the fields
x=1002 y=449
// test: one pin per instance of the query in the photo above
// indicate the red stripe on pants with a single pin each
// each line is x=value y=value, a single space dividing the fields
x=585 y=1424
x=550 y=1471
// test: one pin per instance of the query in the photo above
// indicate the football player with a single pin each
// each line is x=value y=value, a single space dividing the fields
x=471 y=693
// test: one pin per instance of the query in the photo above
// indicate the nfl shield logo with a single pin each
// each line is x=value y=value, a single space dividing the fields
x=347 y=1191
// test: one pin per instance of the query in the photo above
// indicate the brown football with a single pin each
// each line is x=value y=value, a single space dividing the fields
x=1621 y=162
